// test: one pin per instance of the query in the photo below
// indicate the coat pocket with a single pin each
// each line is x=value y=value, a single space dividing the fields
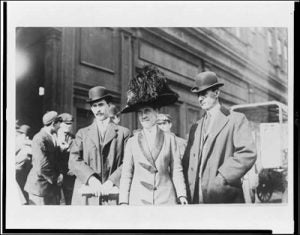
x=218 y=192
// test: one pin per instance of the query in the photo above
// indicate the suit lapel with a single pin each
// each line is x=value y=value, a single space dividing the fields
x=198 y=137
x=49 y=138
x=110 y=133
x=93 y=134
x=145 y=149
x=159 y=141
x=218 y=124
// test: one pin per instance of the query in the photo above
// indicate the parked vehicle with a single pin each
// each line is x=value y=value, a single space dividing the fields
x=268 y=121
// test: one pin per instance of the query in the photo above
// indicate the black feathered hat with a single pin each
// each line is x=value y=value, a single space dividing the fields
x=149 y=88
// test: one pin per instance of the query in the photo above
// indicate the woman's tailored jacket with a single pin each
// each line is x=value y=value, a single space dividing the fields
x=151 y=177
x=88 y=158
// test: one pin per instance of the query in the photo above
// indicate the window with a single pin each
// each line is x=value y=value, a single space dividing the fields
x=285 y=55
x=270 y=45
x=279 y=52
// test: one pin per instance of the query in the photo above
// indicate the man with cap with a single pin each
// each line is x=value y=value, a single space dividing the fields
x=23 y=159
x=220 y=148
x=97 y=153
x=64 y=140
x=164 y=122
x=114 y=114
x=44 y=179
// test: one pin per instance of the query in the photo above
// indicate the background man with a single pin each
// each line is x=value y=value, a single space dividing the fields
x=65 y=139
x=97 y=151
x=164 y=122
x=114 y=114
x=44 y=180
x=220 y=148
x=23 y=159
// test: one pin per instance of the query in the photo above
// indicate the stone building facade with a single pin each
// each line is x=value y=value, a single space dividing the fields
x=63 y=63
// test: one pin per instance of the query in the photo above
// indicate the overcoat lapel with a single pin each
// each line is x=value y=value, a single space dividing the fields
x=93 y=134
x=219 y=123
x=145 y=149
x=111 y=133
x=49 y=138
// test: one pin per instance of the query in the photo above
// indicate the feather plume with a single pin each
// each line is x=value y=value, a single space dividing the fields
x=147 y=85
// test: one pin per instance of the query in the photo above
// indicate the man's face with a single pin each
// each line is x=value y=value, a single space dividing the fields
x=165 y=126
x=66 y=127
x=100 y=110
x=208 y=99
x=147 y=116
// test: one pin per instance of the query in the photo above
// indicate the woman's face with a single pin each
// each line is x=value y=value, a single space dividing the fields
x=147 y=116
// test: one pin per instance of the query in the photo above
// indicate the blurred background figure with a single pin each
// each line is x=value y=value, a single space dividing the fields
x=23 y=159
x=44 y=179
x=164 y=122
x=64 y=140
x=114 y=114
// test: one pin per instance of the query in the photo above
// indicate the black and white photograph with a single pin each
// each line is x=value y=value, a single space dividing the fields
x=165 y=115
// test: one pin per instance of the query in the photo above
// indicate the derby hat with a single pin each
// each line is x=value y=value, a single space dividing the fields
x=98 y=93
x=204 y=81
x=49 y=117
x=66 y=118
x=149 y=88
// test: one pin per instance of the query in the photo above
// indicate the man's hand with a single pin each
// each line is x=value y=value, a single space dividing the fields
x=60 y=180
x=107 y=187
x=95 y=186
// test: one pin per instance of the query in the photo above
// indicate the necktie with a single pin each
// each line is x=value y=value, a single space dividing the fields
x=206 y=123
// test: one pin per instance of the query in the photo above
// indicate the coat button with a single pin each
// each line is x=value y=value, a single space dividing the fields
x=192 y=168
x=154 y=188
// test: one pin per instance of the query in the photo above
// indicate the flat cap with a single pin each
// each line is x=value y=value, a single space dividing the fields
x=49 y=117
x=163 y=117
x=66 y=117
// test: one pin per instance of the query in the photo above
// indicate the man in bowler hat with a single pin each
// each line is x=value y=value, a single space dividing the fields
x=97 y=153
x=220 y=148
x=44 y=179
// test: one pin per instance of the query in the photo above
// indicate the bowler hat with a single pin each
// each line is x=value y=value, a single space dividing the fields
x=205 y=80
x=24 y=129
x=49 y=117
x=98 y=93
x=66 y=117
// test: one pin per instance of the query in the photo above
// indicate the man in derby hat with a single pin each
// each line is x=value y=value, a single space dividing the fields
x=44 y=179
x=220 y=148
x=64 y=141
x=97 y=152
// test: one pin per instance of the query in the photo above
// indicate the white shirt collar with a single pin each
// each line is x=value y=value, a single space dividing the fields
x=213 y=111
x=102 y=125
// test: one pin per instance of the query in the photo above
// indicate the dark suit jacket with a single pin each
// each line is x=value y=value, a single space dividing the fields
x=87 y=158
x=42 y=177
x=229 y=150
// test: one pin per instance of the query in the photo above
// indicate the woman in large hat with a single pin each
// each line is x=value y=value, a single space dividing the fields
x=152 y=171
